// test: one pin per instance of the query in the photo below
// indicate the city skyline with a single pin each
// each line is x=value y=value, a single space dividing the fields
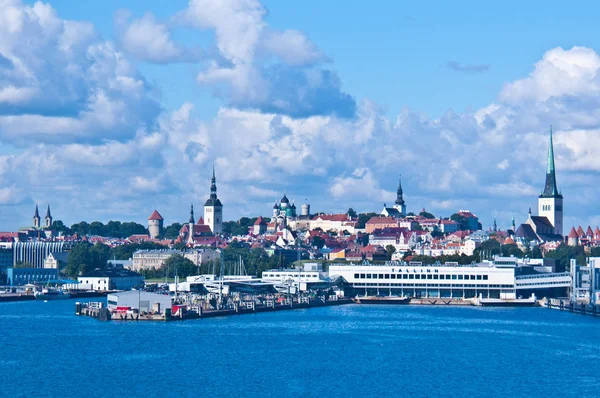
x=150 y=97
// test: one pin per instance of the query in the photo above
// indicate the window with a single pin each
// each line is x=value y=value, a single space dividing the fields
x=362 y=276
x=472 y=277
x=387 y=276
x=454 y=277
x=429 y=276
x=369 y=276
x=380 y=276
x=411 y=276
x=485 y=277
x=478 y=277
x=404 y=276
x=356 y=276
x=436 y=276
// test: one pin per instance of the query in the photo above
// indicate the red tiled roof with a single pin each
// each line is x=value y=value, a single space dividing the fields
x=573 y=233
x=381 y=220
x=580 y=232
x=200 y=221
x=155 y=216
x=332 y=217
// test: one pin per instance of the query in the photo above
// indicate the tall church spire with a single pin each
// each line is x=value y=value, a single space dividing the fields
x=192 y=221
x=550 y=189
x=213 y=208
x=36 y=217
x=399 y=193
x=213 y=185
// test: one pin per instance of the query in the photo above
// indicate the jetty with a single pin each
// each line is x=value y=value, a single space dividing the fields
x=98 y=310
x=582 y=307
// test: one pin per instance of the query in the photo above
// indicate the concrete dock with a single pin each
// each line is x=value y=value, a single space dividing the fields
x=100 y=312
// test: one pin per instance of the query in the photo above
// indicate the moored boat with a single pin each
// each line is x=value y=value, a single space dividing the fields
x=51 y=294
x=381 y=300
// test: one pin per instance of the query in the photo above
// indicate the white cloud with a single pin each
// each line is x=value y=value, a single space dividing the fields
x=560 y=72
x=60 y=79
x=149 y=40
x=245 y=75
x=94 y=129
x=293 y=47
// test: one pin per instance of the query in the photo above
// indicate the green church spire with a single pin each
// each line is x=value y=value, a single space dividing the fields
x=550 y=155
x=550 y=190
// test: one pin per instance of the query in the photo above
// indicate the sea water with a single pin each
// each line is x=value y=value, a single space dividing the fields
x=345 y=351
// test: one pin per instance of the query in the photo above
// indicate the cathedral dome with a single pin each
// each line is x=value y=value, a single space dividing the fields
x=285 y=199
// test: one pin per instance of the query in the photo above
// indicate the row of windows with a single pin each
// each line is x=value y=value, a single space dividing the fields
x=422 y=276
x=288 y=276
x=541 y=283
x=430 y=286
x=546 y=207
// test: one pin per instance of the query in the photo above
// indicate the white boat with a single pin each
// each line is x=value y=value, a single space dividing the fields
x=51 y=294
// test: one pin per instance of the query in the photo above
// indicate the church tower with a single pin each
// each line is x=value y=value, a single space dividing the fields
x=192 y=220
x=48 y=218
x=36 y=218
x=213 y=209
x=550 y=202
x=399 y=204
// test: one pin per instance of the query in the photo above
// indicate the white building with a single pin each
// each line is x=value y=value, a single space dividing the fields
x=213 y=209
x=333 y=222
x=449 y=280
x=112 y=279
x=56 y=260
x=144 y=301
x=310 y=272
x=148 y=259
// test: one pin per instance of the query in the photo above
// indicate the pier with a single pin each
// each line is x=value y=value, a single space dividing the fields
x=99 y=311
x=582 y=308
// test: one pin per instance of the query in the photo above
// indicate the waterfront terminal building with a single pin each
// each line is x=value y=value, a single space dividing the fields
x=501 y=278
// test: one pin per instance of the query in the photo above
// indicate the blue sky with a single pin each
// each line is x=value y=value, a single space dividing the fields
x=328 y=102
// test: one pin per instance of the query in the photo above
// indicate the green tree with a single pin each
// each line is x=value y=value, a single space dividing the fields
x=97 y=228
x=172 y=231
x=389 y=251
x=240 y=227
x=595 y=252
x=99 y=255
x=132 y=228
x=488 y=248
x=564 y=253
x=362 y=239
x=60 y=227
x=463 y=222
x=113 y=229
x=82 y=228
x=536 y=252
x=426 y=214
x=363 y=218
x=79 y=261
x=179 y=265
x=352 y=213
x=512 y=249
x=317 y=242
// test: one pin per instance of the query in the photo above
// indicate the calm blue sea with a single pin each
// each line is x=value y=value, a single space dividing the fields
x=348 y=351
